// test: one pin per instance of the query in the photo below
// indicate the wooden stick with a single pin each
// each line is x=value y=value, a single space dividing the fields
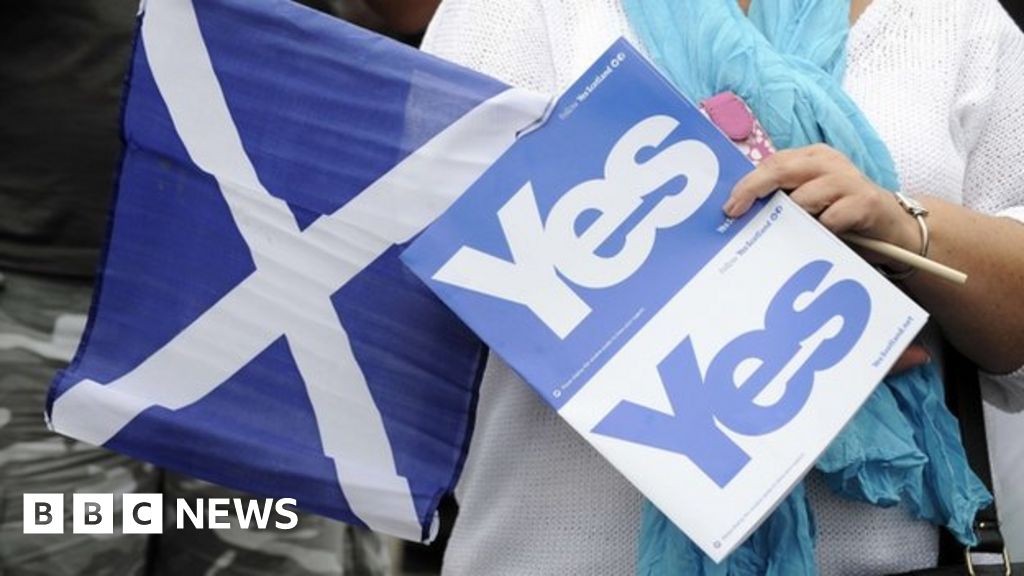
x=907 y=257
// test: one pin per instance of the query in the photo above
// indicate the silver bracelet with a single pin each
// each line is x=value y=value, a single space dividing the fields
x=918 y=211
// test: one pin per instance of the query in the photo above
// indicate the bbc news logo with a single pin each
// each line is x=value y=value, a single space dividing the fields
x=144 y=513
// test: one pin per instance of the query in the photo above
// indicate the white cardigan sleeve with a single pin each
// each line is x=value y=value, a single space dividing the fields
x=991 y=108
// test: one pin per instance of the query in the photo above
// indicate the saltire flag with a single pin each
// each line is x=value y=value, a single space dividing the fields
x=252 y=324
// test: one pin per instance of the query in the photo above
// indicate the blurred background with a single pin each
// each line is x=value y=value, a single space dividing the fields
x=1016 y=8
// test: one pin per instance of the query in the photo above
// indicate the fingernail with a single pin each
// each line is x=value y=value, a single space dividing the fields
x=729 y=207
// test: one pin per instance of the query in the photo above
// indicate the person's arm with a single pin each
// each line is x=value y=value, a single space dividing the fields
x=984 y=318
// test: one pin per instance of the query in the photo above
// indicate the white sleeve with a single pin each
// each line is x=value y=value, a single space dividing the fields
x=991 y=106
x=507 y=39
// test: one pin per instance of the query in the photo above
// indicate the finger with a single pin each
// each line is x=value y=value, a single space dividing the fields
x=787 y=169
x=815 y=196
x=912 y=357
x=847 y=214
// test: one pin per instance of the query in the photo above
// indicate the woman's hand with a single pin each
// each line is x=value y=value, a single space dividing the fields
x=915 y=355
x=828 y=186
x=985 y=318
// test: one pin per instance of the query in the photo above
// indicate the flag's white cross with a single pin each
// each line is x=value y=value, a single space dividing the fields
x=296 y=273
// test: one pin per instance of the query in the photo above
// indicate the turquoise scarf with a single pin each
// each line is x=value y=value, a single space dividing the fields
x=786 y=60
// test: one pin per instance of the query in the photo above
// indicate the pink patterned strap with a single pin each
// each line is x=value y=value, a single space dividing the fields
x=733 y=117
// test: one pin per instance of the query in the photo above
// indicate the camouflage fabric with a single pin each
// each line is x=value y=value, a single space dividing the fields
x=316 y=546
x=40 y=324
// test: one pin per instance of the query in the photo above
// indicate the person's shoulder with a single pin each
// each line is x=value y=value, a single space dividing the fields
x=989 y=32
x=507 y=39
x=975 y=15
x=981 y=28
x=960 y=12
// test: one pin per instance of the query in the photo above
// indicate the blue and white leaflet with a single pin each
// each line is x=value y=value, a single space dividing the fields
x=710 y=361
x=253 y=325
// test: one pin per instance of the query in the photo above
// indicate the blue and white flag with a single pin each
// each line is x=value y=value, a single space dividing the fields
x=253 y=325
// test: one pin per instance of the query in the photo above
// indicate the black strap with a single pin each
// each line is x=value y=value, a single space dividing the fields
x=963 y=396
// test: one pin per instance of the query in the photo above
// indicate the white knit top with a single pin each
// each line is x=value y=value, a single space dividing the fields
x=943 y=83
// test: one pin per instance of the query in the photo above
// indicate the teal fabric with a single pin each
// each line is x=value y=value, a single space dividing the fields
x=786 y=60
x=664 y=550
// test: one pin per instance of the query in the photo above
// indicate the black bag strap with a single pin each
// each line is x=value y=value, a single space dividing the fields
x=963 y=396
